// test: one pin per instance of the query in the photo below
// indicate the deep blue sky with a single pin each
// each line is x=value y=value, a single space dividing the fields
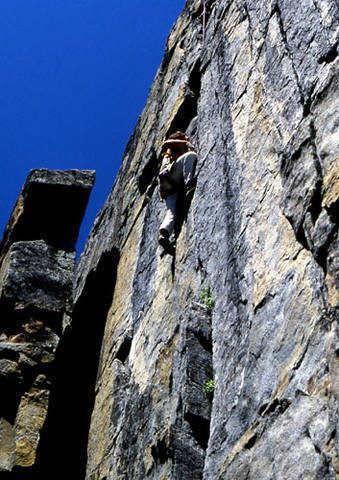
x=74 y=78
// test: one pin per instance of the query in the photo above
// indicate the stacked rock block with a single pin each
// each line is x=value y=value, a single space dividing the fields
x=37 y=257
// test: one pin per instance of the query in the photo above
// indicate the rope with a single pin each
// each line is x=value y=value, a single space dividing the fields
x=204 y=23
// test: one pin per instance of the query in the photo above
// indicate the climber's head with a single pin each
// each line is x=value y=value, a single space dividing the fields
x=178 y=143
x=178 y=136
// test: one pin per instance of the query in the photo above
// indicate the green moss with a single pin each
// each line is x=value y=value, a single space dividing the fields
x=209 y=387
x=207 y=298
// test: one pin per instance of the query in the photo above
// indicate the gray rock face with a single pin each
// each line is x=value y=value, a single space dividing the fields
x=36 y=278
x=259 y=101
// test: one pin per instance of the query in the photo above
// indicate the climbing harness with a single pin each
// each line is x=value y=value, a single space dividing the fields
x=203 y=23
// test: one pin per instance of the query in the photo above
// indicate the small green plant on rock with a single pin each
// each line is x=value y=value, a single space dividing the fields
x=207 y=298
x=209 y=387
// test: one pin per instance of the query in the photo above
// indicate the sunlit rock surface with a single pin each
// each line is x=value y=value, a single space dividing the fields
x=259 y=101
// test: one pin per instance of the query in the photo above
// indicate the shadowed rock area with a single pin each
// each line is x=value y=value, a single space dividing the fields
x=36 y=280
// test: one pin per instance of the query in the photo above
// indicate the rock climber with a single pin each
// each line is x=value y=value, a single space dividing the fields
x=176 y=174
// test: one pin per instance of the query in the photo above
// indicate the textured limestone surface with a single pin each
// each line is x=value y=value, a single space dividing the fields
x=260 y=102
x=37 y=260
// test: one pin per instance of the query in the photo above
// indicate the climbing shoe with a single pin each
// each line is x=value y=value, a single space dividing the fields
x=164 y=238
x=164 y=233
x=165 y=242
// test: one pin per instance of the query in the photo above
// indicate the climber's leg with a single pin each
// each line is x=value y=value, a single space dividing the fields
x=167 y=226
x=189 y=160
x=186 y=166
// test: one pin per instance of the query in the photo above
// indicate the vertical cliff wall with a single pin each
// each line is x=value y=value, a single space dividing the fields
x=259 y=101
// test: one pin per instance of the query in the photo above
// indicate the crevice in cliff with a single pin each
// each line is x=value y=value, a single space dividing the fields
x=314 y=225
x=200 y=427
x=124 y=349
x=268 y=297
x=305 y=97
x=189 y=107
x=147 y=179
x=75 y=372
x=183 y=446
x=278 y=406
x=330 y=55
x=160 y=452
x=321 y=254
x=167 y=58
x=251 y=442
x=287 y=161
x=197 y=397
x=250 y=28
x=205 y=342
x=315 y=204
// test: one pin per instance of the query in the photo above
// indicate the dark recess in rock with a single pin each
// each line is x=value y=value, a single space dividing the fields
x=9 y=403
x=167 y=58
x=189 y=108
x=148 y=175
x=329 y=56
x=278 y=406
x=160 y=452
x=315 y=204
x=200 y=428
x=251 y=442
x=77 y=360
x=124 y=349
x=205 y=342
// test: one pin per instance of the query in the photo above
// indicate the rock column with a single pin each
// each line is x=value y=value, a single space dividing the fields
x=37 y=257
